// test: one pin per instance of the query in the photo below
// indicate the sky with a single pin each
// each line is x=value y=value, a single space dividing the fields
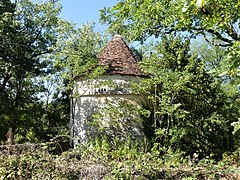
x=82 y=11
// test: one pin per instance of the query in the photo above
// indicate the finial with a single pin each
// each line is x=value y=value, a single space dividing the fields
x=117 y=36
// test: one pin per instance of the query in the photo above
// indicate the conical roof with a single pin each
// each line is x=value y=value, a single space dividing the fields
x=119 y=58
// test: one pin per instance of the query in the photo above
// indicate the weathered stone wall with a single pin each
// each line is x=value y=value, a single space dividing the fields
x=106 y=106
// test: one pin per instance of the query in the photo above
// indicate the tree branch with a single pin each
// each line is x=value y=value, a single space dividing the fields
x=217 y=34
x=214 y=44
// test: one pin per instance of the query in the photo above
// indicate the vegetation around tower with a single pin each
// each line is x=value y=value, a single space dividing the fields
x=190 y=53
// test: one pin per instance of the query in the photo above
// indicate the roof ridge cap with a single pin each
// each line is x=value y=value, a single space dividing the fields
x=117 y=36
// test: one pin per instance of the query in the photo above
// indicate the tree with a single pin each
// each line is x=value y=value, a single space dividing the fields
x=78 y=49
x=217 y=21
x=191 y=109
x=28 y=33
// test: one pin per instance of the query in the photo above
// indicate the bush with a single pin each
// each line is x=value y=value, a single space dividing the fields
x=101 y=159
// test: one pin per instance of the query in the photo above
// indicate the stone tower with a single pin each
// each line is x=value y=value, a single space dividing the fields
x=107 y=105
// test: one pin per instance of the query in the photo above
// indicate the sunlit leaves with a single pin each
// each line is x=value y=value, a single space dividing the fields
x=77 y=49
x=216 y=20
x=187 y=102
x=28 y=33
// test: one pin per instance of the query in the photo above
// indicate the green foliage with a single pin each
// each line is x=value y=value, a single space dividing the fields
x=192 y=113
x=191 y=108
x=28 y=32
x=128 y=160
x=116 y=160
x=77 y=50
x=217 y=21
x=41 y=55
x=37 y=165
x=188 y=102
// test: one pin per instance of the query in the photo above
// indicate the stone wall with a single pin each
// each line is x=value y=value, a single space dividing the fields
x=106 y=106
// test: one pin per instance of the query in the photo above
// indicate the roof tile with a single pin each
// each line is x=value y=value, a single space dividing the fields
x=119 y=58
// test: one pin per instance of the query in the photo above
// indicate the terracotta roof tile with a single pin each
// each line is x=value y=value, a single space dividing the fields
x=119 y=58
